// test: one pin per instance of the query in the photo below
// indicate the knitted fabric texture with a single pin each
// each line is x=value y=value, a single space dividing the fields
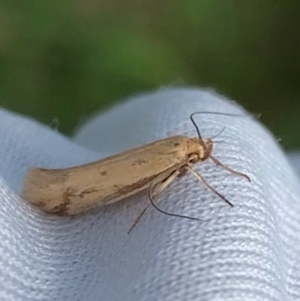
x=248 y=252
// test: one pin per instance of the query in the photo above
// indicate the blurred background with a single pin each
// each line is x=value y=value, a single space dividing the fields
x=64 y=60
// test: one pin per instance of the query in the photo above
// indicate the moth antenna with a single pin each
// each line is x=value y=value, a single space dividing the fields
x=225 y=114
x=196 y=126
x=216 y=113
x=150 y=194
x=223 y=129
x=168 y=213
x=162 y=186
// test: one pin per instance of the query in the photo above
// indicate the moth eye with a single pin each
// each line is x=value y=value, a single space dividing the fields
x=193 y=158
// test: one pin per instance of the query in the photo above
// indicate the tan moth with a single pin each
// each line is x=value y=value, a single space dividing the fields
x=153 y=166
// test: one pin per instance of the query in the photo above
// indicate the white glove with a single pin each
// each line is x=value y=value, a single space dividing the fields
x=248 y=252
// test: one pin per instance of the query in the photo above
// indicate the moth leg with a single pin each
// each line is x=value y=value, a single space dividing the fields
x=138 y=218
x=154 y=190
x=201 y=179
x=218 y=163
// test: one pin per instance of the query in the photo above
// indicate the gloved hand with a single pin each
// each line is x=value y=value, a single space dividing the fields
x=248 y=252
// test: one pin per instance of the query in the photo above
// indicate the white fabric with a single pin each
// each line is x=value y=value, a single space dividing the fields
x=248 y=252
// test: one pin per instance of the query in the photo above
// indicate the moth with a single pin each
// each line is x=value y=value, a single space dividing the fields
x=151 y=167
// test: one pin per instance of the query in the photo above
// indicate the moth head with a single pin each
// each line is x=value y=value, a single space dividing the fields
x=208 y=147
x=200 y=150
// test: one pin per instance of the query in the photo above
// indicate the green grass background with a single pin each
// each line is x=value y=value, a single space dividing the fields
x=64 y=60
